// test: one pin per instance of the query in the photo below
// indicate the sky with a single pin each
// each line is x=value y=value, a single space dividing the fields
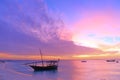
x=74 y=29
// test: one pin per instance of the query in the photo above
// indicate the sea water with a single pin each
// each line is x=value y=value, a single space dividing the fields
x=67 y=70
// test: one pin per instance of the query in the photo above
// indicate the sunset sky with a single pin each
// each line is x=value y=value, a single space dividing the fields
x=66 y=29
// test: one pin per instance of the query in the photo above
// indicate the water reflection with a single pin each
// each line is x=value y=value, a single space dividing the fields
x=67 y=70
x=46 y=75
x=45 y=72
x=96 y=70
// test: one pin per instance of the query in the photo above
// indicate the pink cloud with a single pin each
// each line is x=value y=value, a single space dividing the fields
x=101 y=24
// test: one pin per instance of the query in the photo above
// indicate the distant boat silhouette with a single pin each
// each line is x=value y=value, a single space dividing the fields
x=117 y=61
x=83 y=61
x=111 y=60
x=46 y=65
x=2 y=61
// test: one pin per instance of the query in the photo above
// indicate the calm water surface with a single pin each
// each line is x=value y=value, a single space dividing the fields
x=67 y=70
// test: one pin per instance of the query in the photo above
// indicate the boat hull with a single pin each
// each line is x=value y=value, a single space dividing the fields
x=110 y=60
x=43 y=68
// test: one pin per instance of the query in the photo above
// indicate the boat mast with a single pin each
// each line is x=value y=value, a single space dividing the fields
x=41 y=57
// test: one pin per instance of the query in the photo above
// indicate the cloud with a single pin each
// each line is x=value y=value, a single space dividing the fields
x=26 y=25
x=32 y=18
x=96 y=27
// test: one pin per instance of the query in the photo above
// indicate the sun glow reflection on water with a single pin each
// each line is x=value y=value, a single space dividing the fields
x=67 y=70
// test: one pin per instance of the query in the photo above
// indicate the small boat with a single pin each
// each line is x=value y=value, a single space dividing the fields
x=2 y=61
x=117 y=61
x=45 y=65
x=111 y=60
x=83 y=61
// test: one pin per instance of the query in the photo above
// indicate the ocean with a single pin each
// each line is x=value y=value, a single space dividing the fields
x=67 y=70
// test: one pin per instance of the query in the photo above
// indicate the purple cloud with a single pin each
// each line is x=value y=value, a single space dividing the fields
x=26 y=25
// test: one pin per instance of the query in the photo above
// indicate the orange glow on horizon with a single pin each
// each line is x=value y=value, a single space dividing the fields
x=98 y=56
x=31 y=57
x=74 y=57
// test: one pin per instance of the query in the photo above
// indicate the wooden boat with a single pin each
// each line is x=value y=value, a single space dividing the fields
x=2 y=61
x=83 y=61
x=48 y=65
x=111 y=60
x=45 y=65
x=117 y=61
